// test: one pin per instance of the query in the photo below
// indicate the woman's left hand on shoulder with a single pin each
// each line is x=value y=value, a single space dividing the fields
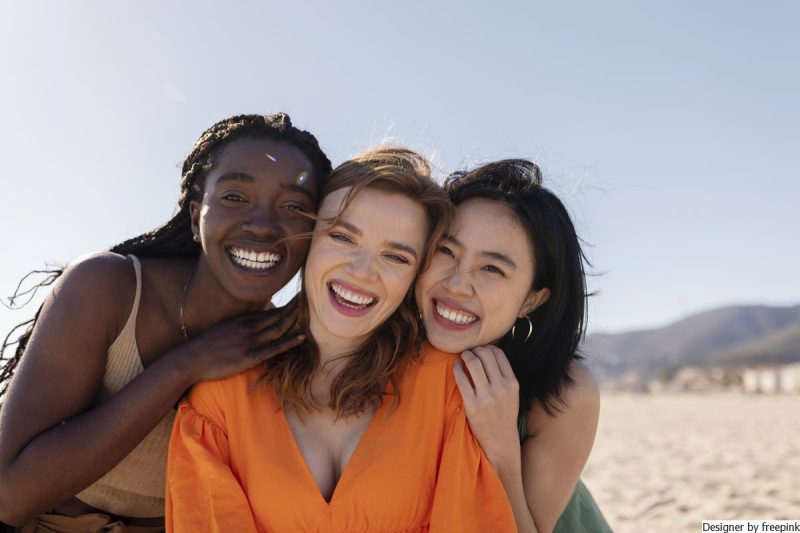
x=491 y=401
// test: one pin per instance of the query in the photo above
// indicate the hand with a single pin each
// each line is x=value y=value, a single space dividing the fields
x=240 y=343
x=491 y=402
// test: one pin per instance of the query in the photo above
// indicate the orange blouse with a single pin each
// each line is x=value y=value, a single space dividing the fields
x=234 y=465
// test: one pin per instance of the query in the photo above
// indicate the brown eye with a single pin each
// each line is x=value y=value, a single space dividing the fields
x=394 y=258
x=494 y=270
x=234 y=197
x=295 y=207
x=445 y=250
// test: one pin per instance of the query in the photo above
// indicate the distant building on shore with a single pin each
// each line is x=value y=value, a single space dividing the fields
x=757 y=380
x=790 y=378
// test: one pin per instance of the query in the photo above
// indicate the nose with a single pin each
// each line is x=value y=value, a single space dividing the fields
x=261 y=224
x=458 y=283
x=361 y=265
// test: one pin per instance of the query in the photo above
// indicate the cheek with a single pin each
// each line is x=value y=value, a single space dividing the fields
x=320 y=259
x=500 y=313
x=205 y=217
x=300 y=248
x=399 y=283
x=437 y=272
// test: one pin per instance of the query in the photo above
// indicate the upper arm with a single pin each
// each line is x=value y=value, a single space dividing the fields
x=62 y=369
x=554 y=456
x=202 y=492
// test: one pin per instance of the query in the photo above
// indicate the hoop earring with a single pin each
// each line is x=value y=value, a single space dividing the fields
x=528 y=336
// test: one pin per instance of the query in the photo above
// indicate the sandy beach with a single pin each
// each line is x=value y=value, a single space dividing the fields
x=665 y=463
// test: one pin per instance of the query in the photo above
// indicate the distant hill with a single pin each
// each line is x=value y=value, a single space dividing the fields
x=728 y=337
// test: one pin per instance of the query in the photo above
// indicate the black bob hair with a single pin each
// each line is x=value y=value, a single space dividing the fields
x=542 y=362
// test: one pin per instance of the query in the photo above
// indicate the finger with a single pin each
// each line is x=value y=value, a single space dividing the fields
x=464 y=384
x=476 y=372
x=489 y=361
x=276 y=330
x=266 y=318
x=270 y=350
x=502 y=362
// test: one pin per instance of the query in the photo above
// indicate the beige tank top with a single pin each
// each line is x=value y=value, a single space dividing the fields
x=135 y=487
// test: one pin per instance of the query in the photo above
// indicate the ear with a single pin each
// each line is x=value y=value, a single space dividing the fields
x=534 y=300
x=194 y=216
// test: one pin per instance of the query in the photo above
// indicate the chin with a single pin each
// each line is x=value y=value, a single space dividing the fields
x=447 y=343
x=261 y=297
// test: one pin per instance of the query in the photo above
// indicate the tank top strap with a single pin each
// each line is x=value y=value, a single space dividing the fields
x=137 y=268
x=124 y=362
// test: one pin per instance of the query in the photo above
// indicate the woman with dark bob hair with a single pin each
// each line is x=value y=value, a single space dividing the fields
x=360 y=428
x=123 y=334
x=507 y=290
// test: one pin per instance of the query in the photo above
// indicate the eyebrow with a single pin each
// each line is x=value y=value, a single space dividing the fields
x=236 y=176
x=241 y=176
x=497 y=256
x=391 y=244
x=299 y=189
x=503 y=258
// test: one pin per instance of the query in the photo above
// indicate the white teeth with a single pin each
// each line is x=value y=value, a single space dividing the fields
x=350 y=297
x=452 y=315
x=253 y=259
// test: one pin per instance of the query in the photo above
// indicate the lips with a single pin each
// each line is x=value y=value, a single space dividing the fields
x=253 y=260
x=452 y=316
x=349 y=299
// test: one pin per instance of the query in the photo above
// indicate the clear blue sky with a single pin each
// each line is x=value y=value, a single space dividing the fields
x=671 y=129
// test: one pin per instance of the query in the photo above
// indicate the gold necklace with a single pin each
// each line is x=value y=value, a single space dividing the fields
x=189 y=278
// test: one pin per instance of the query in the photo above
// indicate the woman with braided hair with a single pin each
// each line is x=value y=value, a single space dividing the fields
x=86 y=417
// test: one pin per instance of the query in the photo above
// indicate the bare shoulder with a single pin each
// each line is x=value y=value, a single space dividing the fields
x=108 y=272
x=100 y=268
x=584 y=393
x=97 y=287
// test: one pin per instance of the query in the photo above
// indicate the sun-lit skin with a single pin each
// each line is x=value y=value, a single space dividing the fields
x=252 y=200
x=190 y=328
x=480 y=279
x=359 y=271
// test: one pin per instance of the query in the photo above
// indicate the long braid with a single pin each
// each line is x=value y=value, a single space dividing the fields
x=174 y=239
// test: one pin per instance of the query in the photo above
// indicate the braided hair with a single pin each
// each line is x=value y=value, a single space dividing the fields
x=175 y=239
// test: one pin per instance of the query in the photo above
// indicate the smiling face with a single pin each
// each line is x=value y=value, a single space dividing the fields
x=359 y=270
x=480 y=280
x=254 y=198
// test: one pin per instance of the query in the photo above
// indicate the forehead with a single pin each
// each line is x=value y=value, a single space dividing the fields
x=380 y=215
x=263 y=158
x=488 y=225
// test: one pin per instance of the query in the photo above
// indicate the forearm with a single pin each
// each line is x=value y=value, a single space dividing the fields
x=511 y=477
x=63 y=460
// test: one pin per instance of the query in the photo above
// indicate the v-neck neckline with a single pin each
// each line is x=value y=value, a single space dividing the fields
x=355 y=458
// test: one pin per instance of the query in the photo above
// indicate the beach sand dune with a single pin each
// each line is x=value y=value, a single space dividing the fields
x=665 y=463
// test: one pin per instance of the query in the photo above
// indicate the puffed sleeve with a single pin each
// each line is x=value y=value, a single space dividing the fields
x=469 y=496
x=203 y=494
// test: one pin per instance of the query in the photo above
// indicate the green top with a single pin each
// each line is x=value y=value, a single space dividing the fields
x=581 y=515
